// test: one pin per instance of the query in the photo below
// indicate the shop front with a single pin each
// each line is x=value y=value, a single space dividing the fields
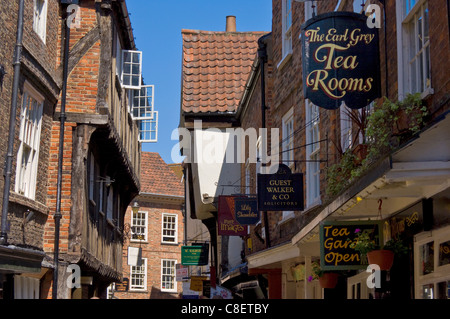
x=407 y=195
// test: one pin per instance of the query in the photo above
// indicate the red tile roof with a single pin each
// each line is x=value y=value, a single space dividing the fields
x=157 y=177
x=216 y=66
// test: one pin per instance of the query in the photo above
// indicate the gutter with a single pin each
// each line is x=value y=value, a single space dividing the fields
x=163 y=196
x=58 y=216
x=126 y=17
x=12 y=125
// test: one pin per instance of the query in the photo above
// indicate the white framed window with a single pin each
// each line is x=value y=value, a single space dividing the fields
x=139 y=226
x=286 y=30
x=138 y=274
x=248 y=179
x=91 y=176
x=142 y=103
x=131 y=69
x=169 y=228
x=118 y=54
x=287 y=145
x=168 y=283
x=110 y=203
x=309 y=9
x=357 y=287
x=29 y=139
x=413 y=41
x=148 y=129
x=26 y=287
x=346 y=128
x=312 y=154
x=40 y=18
x=432 y=264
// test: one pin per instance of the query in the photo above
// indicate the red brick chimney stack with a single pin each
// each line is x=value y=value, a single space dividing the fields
x=231 y=24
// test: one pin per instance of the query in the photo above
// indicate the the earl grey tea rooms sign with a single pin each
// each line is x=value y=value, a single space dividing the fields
x=341 y=60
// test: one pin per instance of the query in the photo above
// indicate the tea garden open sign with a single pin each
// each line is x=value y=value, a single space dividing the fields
x=336 y=239
x=341 y=60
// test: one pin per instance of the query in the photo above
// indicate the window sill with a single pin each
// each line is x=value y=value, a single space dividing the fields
x=137 y=241
x=28 y=202
x=286 y=219
x=169 y=243
x=284 y=61
x=169 y=291
x=138 y=290
x=312 y=205
x=427 y=93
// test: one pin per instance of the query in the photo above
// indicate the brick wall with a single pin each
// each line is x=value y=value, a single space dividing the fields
x=287 y=92
x=154 y=250
x=38 y=68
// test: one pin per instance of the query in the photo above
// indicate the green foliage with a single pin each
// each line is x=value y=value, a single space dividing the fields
x=316 y=270
x=364 y=242
x=382 y=135
x=397 y=246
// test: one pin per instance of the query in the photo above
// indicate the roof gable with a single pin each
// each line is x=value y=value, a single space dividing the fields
x=216 y=66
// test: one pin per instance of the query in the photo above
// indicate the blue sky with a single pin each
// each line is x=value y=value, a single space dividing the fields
x=157 y=26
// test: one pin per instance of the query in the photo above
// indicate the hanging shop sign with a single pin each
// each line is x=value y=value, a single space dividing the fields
x=335 y=244
x=194 y=255
x=246 y=211
x=341 y=60
x=181 y=272
x=280 y=191
x=122 y=286
x=227 y=223
x=197 y=283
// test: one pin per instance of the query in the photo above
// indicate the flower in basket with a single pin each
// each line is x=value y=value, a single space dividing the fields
x=317 y=272
x=397 y=246
x=364 y=243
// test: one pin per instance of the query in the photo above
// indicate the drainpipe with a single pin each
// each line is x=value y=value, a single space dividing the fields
x=262 y=54
x=12 y=125
x=57 y=217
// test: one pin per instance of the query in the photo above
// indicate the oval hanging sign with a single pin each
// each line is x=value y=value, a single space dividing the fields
x=341 y=60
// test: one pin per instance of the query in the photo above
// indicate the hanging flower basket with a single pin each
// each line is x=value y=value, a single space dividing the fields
x=383 y=258
x=328 y=280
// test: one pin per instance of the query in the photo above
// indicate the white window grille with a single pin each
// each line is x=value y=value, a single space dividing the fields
x=148 y=129
x=26 y=287
x=131 y=69
x=168 y=275
x=40 y=18
x=287 y=146
x=432 y=264
x=287 y=28
x=414 y=47
x=139 y=226
x=29 y=139
x=309 y=9
x=346 y=128
x=142 y=102
x=169 y=228
x=312 y=154
x=138 y=274
x=110 y=203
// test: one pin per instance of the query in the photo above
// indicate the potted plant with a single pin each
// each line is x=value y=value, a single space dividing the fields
x=326 y=279
x=372 y=253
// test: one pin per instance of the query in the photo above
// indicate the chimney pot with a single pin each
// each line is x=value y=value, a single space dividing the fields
x=231 y=24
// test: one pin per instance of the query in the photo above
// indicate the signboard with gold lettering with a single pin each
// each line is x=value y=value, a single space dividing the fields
x=227 y=224
x=280 y=191
x=335 y=244
x=246 y=211
x=341 y=60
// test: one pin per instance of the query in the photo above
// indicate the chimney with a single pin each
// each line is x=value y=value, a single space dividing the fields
x=231 y=24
